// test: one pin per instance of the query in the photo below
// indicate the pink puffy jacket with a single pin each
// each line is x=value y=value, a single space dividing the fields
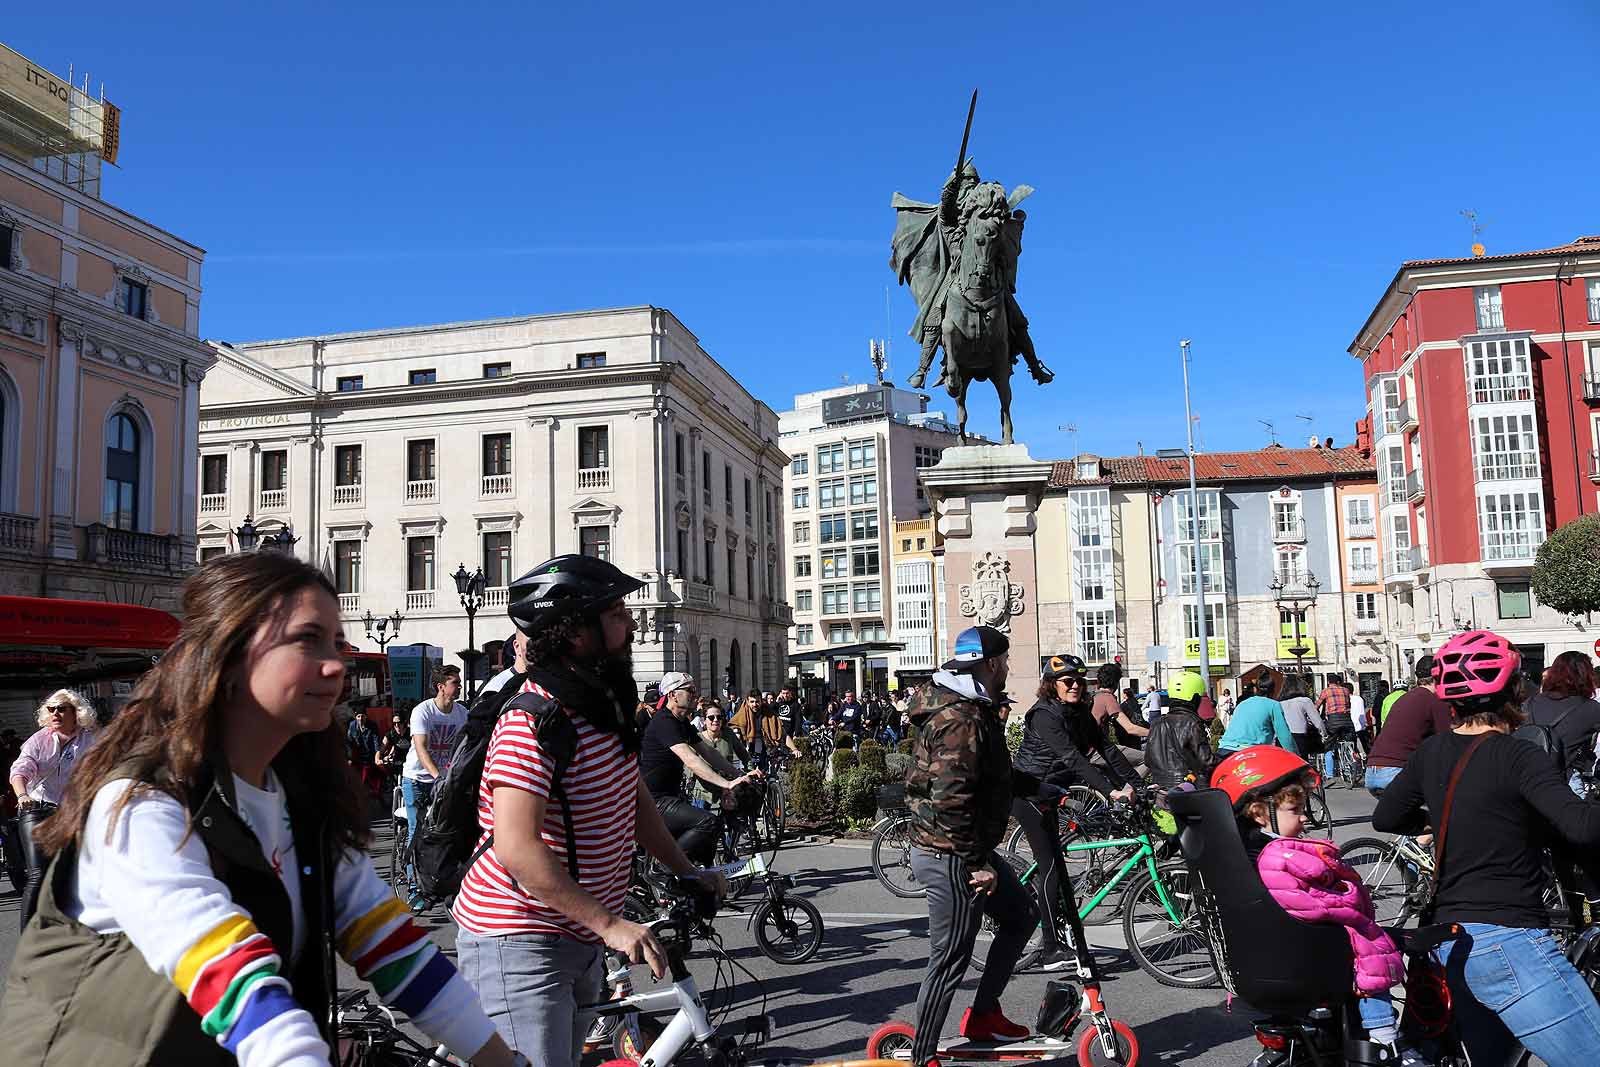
x=1309 y=880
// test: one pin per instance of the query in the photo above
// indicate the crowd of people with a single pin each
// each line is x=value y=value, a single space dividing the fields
x=200 y=859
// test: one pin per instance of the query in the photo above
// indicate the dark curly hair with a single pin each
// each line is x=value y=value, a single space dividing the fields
x=553 y=643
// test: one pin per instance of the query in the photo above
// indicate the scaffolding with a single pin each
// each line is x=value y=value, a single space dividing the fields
x=54 y=126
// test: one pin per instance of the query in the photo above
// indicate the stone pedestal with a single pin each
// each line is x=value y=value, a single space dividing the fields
x=984 y=500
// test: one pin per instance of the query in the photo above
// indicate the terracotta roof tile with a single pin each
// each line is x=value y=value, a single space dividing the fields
x=1265 y=464
x=1582 y=244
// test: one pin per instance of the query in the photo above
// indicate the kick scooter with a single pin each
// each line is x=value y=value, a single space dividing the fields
x=1104 y=1041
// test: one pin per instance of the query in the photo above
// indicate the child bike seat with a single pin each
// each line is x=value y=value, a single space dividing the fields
x=1275 y=963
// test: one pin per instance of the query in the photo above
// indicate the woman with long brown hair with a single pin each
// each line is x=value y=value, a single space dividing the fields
x=209 y=858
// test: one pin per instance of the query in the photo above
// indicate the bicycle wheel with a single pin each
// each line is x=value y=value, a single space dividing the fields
x=1318 y=816
x=1090 y=1054
x=397 y=856
x=1174 y=954
x=1390 y=878
x=891 y=858
x=788 y=930
x=1035 y=946
x=770 y=821
x=1086 y=816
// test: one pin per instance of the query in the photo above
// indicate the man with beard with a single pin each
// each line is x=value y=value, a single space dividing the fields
x=544 y=898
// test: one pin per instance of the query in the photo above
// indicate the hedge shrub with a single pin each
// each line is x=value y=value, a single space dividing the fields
x=844 y=761
x=870 y=757
x=808 y=793
x=896 y=765
x=856 y=794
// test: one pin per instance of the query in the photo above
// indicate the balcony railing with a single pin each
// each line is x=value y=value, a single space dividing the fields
x=1398 y=561
x=1501 y=388
x=1364 y=575
x=594 y=478
x=1369 y=626
x=1391 y=419
x=1591 y=386
x=1361 y=528
x=1594 y=466
x=1290 y=532
x=18 y=533
x=1394 y=490
x=419 y=600
x=496 y=485
x=213 y=503
x=1507 y=466
x=1413 y=485
x=1511 y=546
x=348 y=494
x=495 y=596
x=349 y=603
x=130 y=549
x=1491 y=317
x=1419 y=557
x=698 y=594
x=422 y=491
x=274 y=499
x=1406 y=416
x=1594 y=309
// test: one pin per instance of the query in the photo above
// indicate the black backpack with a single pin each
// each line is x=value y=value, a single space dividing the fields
x=442 y=849
x=1543 y=736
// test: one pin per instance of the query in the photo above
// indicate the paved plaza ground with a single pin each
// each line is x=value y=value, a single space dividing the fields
x=872 y=960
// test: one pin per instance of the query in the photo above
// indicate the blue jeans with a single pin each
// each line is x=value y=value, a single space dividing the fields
x=1511 y=985
x=1377 y=1012
x=415 y=794
x=1378 y=778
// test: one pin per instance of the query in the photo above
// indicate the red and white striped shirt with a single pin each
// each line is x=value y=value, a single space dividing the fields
x=601 y=786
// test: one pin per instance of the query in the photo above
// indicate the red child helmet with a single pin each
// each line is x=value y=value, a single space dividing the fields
x=1257 y=772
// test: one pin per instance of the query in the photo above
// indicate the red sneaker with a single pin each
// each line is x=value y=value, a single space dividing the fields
x=990 y=1026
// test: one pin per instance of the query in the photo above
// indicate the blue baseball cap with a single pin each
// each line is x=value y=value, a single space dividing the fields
x=974 y=645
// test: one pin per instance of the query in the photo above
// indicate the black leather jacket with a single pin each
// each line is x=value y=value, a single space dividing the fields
x=1057 y=741
x=1179 y=745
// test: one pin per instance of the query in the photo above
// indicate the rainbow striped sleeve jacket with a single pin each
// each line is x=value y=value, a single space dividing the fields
x=147 y=881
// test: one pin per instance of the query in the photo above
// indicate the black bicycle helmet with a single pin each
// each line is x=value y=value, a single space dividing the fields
x=1065 y=667
x=565 y=586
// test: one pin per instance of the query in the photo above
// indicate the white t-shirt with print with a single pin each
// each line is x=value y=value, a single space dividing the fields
x=440 y=728
x=266 y=812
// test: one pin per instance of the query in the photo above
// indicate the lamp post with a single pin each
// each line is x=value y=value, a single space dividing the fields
x=282 y=541
x=1202 y=622
x=1297 y=600
x=470 y=588
x=247 y=535
x=388 y=628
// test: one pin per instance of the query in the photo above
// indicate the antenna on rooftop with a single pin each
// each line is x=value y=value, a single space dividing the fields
x=1477 y=227
x=1272 y=431
x=880 y=362
x=1071 y=428
x=1311 y=426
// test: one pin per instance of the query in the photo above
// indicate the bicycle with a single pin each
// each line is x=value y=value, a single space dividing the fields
x=891 y=855
x=1166 y=935
x=1348 y=763
x=369 y=1035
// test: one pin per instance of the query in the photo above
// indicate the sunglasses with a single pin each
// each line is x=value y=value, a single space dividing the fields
x=61 y=709
x=713 y=718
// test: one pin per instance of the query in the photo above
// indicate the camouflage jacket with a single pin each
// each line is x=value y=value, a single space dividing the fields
x=959 y=784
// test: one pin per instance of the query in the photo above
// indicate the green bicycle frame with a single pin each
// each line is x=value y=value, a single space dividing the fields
x=1144 y=852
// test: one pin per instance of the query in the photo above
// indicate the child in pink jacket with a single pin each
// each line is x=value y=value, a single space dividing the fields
x=1309 y=880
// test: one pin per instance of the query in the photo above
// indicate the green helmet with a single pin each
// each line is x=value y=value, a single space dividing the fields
x=1186 y=688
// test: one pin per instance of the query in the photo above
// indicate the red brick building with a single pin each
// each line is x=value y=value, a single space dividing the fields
x=1483 y=394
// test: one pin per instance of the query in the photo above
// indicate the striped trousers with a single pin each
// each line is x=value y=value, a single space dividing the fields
x=954 y=916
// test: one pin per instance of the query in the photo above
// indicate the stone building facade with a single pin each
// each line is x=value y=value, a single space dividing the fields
x=393 y=456
x=100 y=372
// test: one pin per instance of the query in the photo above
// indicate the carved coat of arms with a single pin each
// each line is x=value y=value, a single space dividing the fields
x=991 y=597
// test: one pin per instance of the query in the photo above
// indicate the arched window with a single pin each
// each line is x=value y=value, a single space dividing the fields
x=734 y=677
x=10 y=441
x=756 y=681
x=120 y=507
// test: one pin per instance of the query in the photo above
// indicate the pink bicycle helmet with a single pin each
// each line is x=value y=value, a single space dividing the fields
x=1475 y=665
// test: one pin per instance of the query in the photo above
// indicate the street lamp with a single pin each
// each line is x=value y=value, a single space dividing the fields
x=1202 y=622
x=248 y=535
x=470 y=587
x=282 y=541
x=388 y=628
x=1297 y=599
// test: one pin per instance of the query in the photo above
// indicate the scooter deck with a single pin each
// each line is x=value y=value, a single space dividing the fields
x=1033 y=1047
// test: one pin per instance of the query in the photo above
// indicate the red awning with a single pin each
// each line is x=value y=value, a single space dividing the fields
x=26 y=620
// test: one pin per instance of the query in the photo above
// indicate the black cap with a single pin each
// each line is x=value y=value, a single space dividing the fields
x=976 y=644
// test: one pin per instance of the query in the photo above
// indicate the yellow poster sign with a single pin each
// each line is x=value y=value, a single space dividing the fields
x=1306 y=645
x=1217 y=650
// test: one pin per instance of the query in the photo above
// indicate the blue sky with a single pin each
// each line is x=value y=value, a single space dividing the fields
x=1249 y=180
